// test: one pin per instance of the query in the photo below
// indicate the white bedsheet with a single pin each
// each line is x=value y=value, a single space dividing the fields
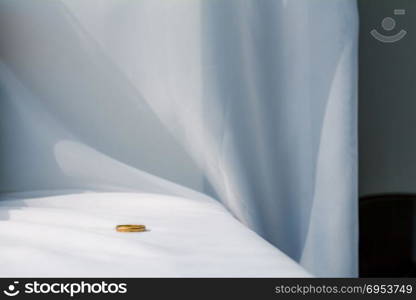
x=74 y=235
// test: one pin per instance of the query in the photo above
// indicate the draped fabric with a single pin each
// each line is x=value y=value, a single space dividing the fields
x=250 y=102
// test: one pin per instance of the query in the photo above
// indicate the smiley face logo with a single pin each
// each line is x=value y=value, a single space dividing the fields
x=11 y=289
x=388 y=24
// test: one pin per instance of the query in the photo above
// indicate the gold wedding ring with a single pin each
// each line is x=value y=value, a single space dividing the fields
x=130 y=228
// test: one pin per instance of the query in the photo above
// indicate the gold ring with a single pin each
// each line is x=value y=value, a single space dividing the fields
x=130 y=228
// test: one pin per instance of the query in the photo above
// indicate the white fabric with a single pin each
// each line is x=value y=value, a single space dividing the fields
x=73 y=235
x=257 y=99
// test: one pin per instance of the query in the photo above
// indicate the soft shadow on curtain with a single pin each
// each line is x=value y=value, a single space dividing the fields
x=258 y=98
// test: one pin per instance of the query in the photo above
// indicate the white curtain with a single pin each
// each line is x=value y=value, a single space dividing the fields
x=252 y=102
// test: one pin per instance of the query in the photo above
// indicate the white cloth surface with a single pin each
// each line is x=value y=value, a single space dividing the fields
x=250 y=102
x=74 y=235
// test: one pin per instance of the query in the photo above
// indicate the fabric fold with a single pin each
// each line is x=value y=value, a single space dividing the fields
x=249 y=102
